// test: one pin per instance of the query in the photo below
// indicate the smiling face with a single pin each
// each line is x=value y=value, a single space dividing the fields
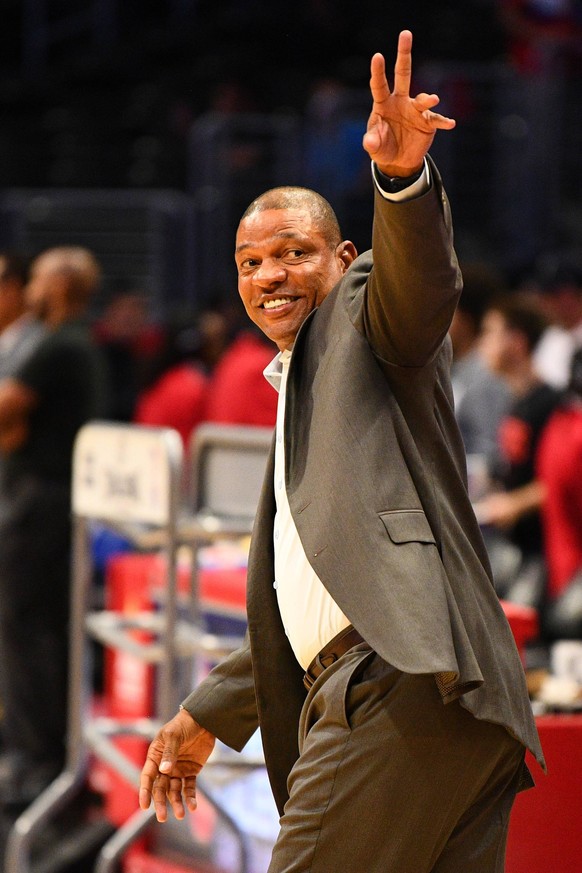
x=286 y=267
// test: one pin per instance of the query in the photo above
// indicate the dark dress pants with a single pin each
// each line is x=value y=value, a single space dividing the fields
x=391 y=780
x=34 y=607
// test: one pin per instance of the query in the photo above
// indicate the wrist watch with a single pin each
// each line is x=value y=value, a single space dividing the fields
x=394 y=184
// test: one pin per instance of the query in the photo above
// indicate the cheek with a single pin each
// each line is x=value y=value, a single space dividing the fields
x=253 y=313
x=324 y=279
x=322 y=286
x=243 y=298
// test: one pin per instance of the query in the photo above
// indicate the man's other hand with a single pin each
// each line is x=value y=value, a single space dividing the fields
x=174 y=760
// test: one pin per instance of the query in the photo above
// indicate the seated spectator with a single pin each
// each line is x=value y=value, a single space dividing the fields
x=481 y=396
x=512 y=327
x=238 y=391
x=174 y=392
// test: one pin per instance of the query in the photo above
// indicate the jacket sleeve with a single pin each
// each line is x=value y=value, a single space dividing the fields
x=415 y=282
x=224 y=703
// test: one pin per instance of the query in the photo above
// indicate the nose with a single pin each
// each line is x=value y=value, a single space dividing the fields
x=270 y=273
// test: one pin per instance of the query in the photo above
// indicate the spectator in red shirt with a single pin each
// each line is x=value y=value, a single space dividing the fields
x=238 y=391
x=559 y=467
x=175 y=392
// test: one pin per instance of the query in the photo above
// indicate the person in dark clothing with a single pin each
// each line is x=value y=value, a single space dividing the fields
x=57 y=388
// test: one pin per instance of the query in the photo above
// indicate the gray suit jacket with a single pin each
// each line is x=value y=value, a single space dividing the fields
x=376 y=479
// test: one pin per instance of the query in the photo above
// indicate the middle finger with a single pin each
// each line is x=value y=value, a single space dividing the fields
x=403 y=65
x=175 y=797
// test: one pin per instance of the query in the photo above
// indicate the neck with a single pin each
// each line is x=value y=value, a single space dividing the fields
x=60 y=314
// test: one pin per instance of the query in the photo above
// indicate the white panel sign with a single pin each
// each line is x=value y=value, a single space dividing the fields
x=125 y=472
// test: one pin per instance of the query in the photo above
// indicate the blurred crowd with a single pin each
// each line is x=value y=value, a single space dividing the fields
x=517 y=359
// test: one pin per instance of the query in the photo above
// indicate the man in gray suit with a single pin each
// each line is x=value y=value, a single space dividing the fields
x=378 y=662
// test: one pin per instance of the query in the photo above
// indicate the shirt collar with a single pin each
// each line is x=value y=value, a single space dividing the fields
x=274 y=369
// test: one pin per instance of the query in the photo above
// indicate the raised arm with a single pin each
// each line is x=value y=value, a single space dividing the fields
x=413 y=287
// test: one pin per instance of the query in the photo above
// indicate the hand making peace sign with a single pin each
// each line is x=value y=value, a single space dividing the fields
x=400 y=128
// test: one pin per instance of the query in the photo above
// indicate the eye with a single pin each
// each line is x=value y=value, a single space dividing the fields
x=248 y=264
x=295 y=254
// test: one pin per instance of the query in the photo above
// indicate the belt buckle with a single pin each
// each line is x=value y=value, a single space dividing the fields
x=319 y=660
x=318 y=664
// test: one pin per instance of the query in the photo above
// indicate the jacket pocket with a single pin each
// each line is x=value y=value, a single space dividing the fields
x=407 y=526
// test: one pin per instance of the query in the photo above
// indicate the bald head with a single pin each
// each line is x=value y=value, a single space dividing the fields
x=62 y=281
x=78 y=263
x=293 y=197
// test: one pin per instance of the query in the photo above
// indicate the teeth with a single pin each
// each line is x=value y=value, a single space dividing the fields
x=277 y=301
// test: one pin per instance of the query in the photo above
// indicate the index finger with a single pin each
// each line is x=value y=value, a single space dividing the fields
x=403 y=65
x=378 y=82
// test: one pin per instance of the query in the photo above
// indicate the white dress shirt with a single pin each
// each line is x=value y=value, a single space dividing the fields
x=310 y=615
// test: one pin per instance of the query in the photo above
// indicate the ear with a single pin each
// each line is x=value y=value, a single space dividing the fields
x=347 y=253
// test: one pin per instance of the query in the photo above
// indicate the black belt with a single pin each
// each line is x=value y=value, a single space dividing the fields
x=342 y=643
